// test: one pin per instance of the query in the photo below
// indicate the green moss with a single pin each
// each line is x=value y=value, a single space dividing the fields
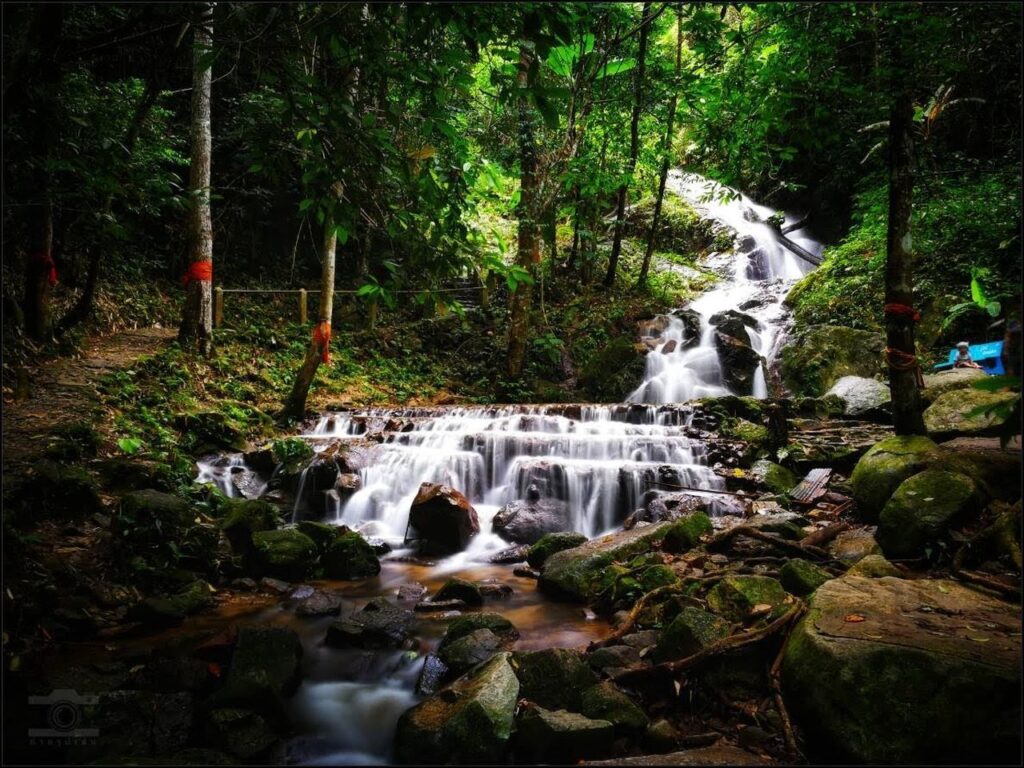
x=471 y=622
x=684 y=534
x=614 y=371
x=460 y=589
x=164 y=611
x=734 y=597
x=887 y=464
x=322 y=534
x=244 y=517
x=822 y=354
x=777 y=478
x=550 y=543
x=741 y=429
x=606 y=702
x=554 y=678
x=801 y=577
x=285 y=554
x=955 y=412
x=349 y=556
x=690 y=631
x=874 y=567
x=922 y=510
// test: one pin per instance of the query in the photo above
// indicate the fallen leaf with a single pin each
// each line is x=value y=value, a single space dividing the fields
x=854 y=618
x=980 y=639
x=943 y=589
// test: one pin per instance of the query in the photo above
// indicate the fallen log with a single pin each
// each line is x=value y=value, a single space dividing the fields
x=824 y=535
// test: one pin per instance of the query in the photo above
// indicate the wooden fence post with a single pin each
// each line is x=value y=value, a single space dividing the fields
x=218 y=307
x=303 y=305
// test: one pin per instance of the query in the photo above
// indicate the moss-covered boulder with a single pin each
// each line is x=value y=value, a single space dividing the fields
x=772 y=476
x=747 y=431
x=553 y=677
x=460 y=589
x=577 y=573
x=938 y=384
x=172 y=610
x=378 y=625
x=471 y=622
x=801 y=577
x=322 y=534
x=736 y=596
x=560 y=737
x=862 y=397
x=470 y=722
x=241 y=518
x=822 y=354
x=349 y=556
x=152 y=517
x=606 y=702
x=684 y=534
x=614 y=370
x=874 y=567
x=550 y=543
x=691 y=631
x=264 y=671
x=885 y=689
x=887 y=464
x=922 y=510
x=463 y=654
x=954 y=413
x=853 y=546
x=285 y=554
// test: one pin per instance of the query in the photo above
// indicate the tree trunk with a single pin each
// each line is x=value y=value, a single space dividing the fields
x=295 y=406
x=634 y=146
x=666 y=157
x=899 y=284
x=528 y=245
x=197 y=315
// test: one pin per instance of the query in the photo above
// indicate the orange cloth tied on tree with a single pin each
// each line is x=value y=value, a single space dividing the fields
x=322 y=335
x=902 y=310
x=46 y=260
x=201 y=271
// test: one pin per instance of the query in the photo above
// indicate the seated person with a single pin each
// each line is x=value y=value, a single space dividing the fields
x=963 y=357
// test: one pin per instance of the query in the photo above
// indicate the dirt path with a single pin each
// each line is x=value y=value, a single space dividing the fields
x=64 y=391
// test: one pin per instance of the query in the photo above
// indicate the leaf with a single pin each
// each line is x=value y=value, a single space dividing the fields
x=854 y=618
x=979 y=639
x=129 y=445
x=994 y=308
x=977 y=293
x=615 y=67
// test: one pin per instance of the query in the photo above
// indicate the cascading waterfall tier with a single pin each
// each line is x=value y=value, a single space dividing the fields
x=685 y=362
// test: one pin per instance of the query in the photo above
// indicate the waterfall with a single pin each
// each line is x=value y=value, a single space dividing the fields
x=684 y=364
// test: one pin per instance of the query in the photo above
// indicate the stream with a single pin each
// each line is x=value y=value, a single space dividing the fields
x=598 y=461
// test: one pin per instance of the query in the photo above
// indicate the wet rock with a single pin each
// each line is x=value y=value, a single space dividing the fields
x=801 y=577
x=670 y=347
x=264 y=671
x=466 y=652
x=554 y=677
x=433 y=606
x=283 y=554
x=937 y=384
x=684 y=534
x=821 y=355
x=862 y=397
x=923 y=509
x=549 y=544
x=691 y=326
x=171 y=611
x=379 y=625
x=320 y=604
x=239 y=732
x=470 y=722
x=443 y=517
x=853 y=546
x=431 y=676
x=171 y=674
x=261 y=460
x=691 y=631
x=459 y=589
x=772 y=476
x=739 y=362
x=665 y=506
x=243 y=517
x=613 y=656
x=495 y=622
x=277 y=586
x=322 y=534
x=349 y=556
x=724 y=754
x=661 y=736
x=244 y=585
x=606 y=702
x=736 y=596
x=788 y=525
x=952 y=653
x=559 y=736
x=952 y=413
x=646 y=638
x=411 y=592
x=492 y=589
x=881 y=470
x=514 y=554
x=526 y=522
x=733 y=323
x=576 y=573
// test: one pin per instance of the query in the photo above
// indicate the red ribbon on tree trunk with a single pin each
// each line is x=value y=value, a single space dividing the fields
x=902 y=310
x=46 y=261
x=322 y=335
x=201 y=271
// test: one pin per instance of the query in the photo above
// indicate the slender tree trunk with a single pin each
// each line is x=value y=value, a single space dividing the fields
x=634 y=146
x=666 y=159
x=528 y=246
x=295 y=406
x=197 y=315
x=899 y=281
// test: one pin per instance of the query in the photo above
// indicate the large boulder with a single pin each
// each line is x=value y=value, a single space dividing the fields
x=378 y=625
x=691 y=631
x=821 y=355
x=862 y=396
x=922 y=510
x=736 y=596
x=241 y=518
x=554 y=677
x=685 y=533
x=470 y=722
x=733 y=323
x=887 y=464
x=265 y=669
x=527 y=521
x=606 y=702
x=775 y=477
x=936 y=384
x=561 y=737
x=953 y=413
x=471 y=622
x=576 y=574
x=739 y=362
x=550 y=543
x=691 y=321
x=284 y=554
x=873 y=677
x=148 y=517
x=349 y=556
x=469 y=650
x=443 y=518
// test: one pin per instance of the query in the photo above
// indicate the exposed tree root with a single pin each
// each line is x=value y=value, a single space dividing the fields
x=824 y=535
x=634 y=614
x=807 y=551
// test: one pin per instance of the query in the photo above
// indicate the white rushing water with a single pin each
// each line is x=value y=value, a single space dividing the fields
x=757 y=278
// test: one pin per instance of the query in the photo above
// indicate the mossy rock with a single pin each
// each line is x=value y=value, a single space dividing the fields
x=606 y=702
x=801 y=577
x=241 y=518
x=728 y=407
x=614 y=371
x=773 y=476
x=874 y=567
x=691 y=631
x=553 y=677
x=684 y=534
x=887 y=464
x=952 y=413
x=560 y=737
x=747 y=431
x=471 y=622
x=285 y=554
x=60 y=492
x=475 y=648
x=171 y=611
x=550 y=543
x=322 y=534
x=350 y=556
x=470 y=722
x=937 y=384
x=265 y=670
x=460 y=589
x=922 y=510
x=822 y=354
x=579 y=573
x=654 y=576
x=735 y=596
x=884 y=690
x=152 y=517
x=208 y=431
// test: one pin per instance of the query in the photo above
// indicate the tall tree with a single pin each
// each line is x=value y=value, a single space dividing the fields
x=197 y=314
x=634 y=144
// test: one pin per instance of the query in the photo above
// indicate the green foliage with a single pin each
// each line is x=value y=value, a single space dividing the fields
x=1008 y=412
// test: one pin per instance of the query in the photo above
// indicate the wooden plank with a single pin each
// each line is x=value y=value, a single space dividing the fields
x=812 y=487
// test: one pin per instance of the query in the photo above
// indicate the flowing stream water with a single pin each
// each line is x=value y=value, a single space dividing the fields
x=599 y=460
